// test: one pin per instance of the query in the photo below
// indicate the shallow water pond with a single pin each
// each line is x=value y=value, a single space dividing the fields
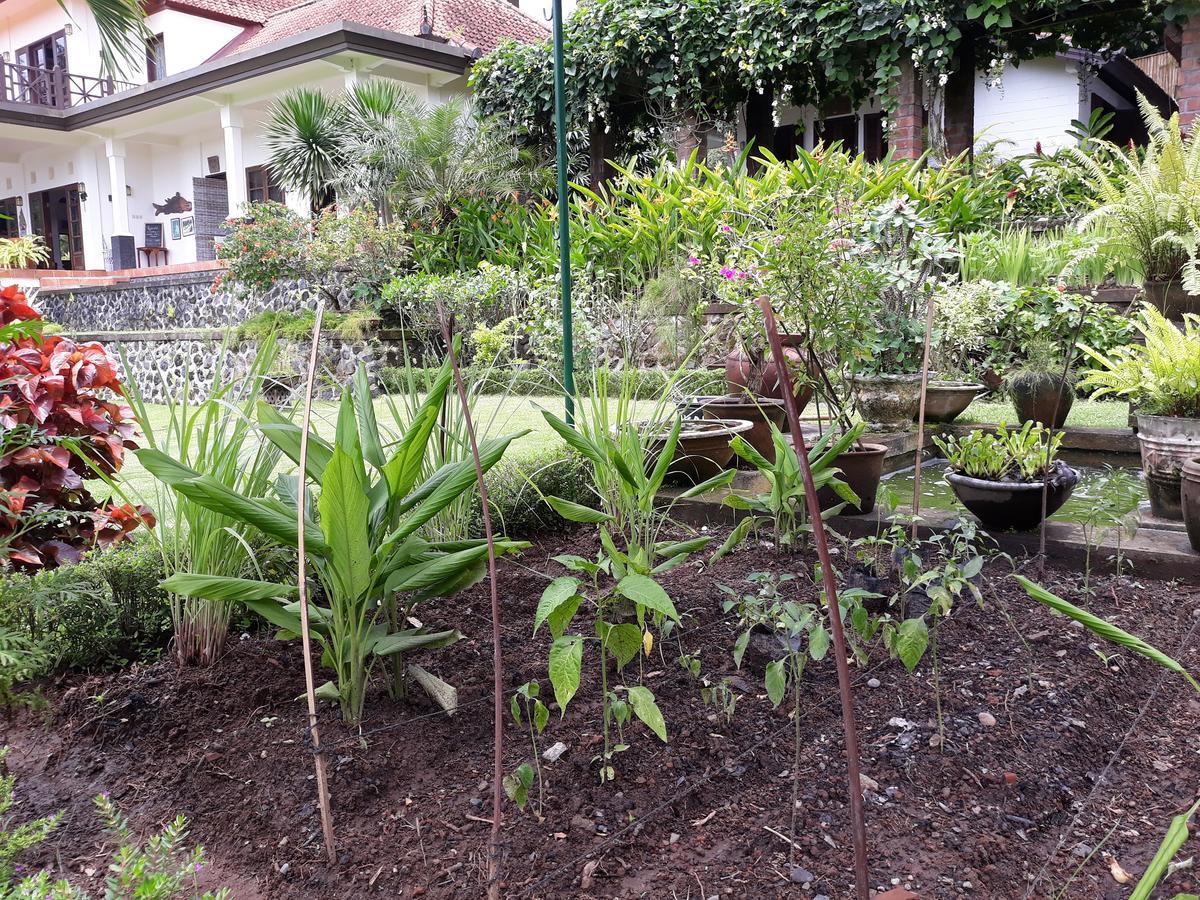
x=1102 y=493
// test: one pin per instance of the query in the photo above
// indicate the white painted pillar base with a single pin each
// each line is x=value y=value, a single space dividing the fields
x=235 y=167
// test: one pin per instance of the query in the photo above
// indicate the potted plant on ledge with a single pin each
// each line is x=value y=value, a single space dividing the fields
x=1004 y=477
x=1042 y=385
x=1161 y=379
x=909 y=255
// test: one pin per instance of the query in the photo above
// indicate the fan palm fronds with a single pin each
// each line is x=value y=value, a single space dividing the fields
x=305 y=143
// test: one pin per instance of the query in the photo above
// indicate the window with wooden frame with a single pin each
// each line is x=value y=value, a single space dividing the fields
x=156 y=58
x=260 y=187
x=9 y=228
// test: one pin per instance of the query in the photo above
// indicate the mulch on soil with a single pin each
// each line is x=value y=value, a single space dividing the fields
x=1061 y=754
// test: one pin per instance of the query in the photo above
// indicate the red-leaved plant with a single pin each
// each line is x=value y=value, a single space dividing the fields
x=62 y=420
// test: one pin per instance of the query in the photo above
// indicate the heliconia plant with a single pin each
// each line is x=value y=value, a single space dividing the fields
x=63 y=420
x=366 y=544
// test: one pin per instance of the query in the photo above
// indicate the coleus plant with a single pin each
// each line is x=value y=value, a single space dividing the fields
x=62 y=421
x=371 y=561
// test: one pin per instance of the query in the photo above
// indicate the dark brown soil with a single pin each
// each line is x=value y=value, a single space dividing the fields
x=1052 y=751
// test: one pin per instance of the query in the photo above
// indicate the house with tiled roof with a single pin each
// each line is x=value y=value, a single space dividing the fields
x=142 y=170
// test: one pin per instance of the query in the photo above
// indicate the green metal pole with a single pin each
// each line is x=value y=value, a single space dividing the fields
x=564 y=216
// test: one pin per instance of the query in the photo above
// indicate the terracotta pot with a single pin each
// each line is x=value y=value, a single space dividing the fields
x=887 y=402
x=1190 y=495
x=1013 y=505
x=1170 y=298
x=703 y=450
x=762 y=412
x=741 y=377
x=1041 y=397
x=945 y=401
x=862 y=469
x=1166 y=442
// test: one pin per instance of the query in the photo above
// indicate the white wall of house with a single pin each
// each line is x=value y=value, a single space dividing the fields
x=188 y=40
x=1035 y=102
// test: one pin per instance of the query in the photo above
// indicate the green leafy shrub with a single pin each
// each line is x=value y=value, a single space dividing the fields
x=1023 y=455
x=105 y=611
x=516 y=486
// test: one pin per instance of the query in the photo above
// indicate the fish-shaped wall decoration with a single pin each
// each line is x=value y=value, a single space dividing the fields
x=176 y=204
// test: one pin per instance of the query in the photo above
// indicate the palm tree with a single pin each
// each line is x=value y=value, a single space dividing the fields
x=304 y=139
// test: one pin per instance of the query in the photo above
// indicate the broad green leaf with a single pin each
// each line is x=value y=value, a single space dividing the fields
x=221 y=587
x=776 y=680
x=272 y=520
x=328 y=691
x=647 y=710
x=346 y=434
x=344 y=510
x=668 y=549
x=623 y=641
x=576 y=512
x=647 y=592
x=574 y=439
x=448 y=485
x=404 y=468
x=517 y=784
x=1104 y=629
x=566 y=662
x=739 y=648
x=432 y=571
x=368 y=427
x=577 y=564
x=409 y=640
x=557 y=593
x=285 y=435
x=912 y=639
x=286 y=618
x=665 y=457
x=541 y=716
x=818 y=642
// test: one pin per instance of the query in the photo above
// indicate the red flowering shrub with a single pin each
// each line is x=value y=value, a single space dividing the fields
x=61 y=422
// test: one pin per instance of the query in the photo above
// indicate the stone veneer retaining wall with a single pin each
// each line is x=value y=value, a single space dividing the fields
x=160 y=303
x=170 y=326
x=159 y=361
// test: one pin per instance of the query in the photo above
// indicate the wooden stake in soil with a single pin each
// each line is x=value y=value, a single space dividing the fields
x=857 y=814
x=916 y=504
x=302 y=575
x=497 y=667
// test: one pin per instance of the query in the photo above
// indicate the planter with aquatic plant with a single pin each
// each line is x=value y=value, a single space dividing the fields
x=1161 y=380
x=1009 y=479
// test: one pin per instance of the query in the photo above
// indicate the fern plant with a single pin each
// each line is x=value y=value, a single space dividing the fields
x=1146 y=200
x=1160 y=377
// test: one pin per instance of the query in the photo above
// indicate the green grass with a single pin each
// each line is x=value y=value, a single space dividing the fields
x=494 y=415
x=1084 y=413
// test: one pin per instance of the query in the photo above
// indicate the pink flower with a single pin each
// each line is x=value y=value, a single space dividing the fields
x=727 y=228
x=727 y=272
x=693 y=261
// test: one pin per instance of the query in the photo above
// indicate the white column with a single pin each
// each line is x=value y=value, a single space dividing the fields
x=115 y=150
x=351 y=75
x=235 y=167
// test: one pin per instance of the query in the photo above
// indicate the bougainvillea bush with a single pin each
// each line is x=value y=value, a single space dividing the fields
x=62 y=421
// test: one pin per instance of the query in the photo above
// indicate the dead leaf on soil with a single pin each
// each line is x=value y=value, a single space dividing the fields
x=585 y=880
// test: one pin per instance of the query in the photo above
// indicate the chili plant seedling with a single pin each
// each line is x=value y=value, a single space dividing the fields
x=537 y=716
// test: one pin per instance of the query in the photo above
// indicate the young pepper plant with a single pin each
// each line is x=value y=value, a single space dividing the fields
x=370 y=560
x=610 y=583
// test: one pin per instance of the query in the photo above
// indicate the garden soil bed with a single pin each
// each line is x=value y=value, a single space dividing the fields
x=1055 y=758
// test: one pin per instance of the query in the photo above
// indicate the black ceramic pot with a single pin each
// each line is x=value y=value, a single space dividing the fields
x=1012 y=505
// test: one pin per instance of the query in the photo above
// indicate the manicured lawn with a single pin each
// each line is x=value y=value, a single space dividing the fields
x=1084 y=414
x=495 y=415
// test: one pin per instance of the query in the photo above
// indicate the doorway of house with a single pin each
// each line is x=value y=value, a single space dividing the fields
x=55 y=215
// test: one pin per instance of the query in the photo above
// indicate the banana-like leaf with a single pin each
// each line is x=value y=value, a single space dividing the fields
x=368 y=426
x=221 y=587
x=285 y=435
x=272 y=520
x=404 y=468
x=428 y=572
x=453 y=481
x=344 y=510
x=574 y=439
x=1104 y=629
x=413 y=639
x=665 y=458
x=577 y=512
x=743 y=449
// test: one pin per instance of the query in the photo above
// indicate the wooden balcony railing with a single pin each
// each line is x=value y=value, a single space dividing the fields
x=57 y=88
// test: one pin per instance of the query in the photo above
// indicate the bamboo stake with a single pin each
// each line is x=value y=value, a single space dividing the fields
x=497 y=667
x=916 y=504
x=301 y=567
x=857 y=814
